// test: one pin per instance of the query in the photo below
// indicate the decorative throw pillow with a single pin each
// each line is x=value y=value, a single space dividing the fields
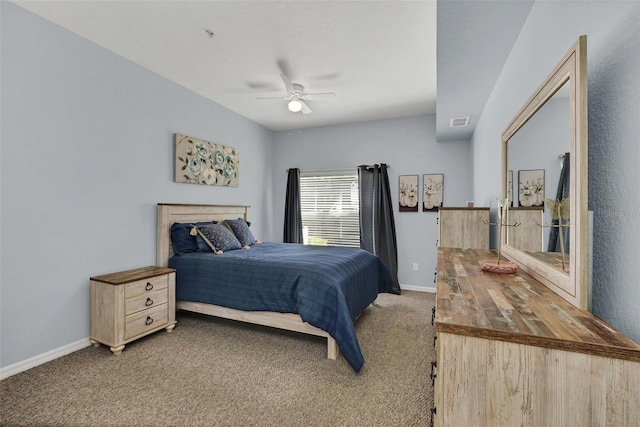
x=181 y=239
x=215 y=238
x=240 y=228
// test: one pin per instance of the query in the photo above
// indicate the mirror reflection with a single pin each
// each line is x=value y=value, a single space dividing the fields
x=538 y=165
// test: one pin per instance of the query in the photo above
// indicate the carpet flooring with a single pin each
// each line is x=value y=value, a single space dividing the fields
x=216 y=372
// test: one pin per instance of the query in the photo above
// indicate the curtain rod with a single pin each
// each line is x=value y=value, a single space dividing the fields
x=336 y=170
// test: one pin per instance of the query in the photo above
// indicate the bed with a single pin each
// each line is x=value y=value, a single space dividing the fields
x=313 y=290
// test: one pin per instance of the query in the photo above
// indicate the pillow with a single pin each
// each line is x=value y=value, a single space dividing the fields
x=241 y=230
x=215 y=236
x=181 y=239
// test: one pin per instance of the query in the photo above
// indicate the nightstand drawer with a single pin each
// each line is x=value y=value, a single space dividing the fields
x=145 y=301
x=141 y=287
x=146 y=320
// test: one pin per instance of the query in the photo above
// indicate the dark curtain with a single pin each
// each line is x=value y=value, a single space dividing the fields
x=563 y=192
x=377 y=226
x=292 y=212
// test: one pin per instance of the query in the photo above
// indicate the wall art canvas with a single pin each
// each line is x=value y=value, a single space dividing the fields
x=531 y=187
x=432 y=192
x=204 y=162
x=408 y=195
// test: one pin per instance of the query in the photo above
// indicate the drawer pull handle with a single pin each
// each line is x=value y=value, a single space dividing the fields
x=433 y=413
x=148 y=287
x=149 y=302
x=433 y=374
x=433 y=314
x=148 y=321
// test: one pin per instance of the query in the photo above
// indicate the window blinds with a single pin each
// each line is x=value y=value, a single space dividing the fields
x=330 y=208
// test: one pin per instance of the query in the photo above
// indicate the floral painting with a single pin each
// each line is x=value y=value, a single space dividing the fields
x=432 y=190
x=408 y=193
x=203 y=162
x=531 y=187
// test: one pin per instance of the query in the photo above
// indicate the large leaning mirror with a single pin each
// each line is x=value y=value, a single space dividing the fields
x=544 y=176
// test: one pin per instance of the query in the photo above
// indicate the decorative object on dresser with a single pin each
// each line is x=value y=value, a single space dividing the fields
x=563 y=95
x=130 y=304
x=496 y=265
x=463 y=227
x=203 y=162
x=408 y=193
x=433 y=192
x=509 y=352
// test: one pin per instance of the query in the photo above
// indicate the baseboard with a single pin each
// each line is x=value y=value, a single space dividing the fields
x=417 y=288
x=34 y=361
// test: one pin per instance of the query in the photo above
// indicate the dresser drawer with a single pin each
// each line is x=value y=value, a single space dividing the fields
x=146 y=320
x=143 y=286
x=145 y=301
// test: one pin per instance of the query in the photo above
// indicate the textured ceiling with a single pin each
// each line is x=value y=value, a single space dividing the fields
x=378 y=57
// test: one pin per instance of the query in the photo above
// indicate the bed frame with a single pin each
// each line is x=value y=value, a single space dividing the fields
x=170 y=213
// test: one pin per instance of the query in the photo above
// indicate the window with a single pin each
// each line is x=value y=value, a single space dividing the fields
x=330 y=209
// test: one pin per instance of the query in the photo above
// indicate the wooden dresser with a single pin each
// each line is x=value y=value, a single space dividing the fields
x=510 y=352
x=130 y=304
x=463 y=228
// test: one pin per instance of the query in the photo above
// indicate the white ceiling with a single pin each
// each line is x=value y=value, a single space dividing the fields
x=378 y=57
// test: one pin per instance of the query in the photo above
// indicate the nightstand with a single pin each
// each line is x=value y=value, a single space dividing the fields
x=130 y=304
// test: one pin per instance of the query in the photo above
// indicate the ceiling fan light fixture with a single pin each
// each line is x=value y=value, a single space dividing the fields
x=295 y=106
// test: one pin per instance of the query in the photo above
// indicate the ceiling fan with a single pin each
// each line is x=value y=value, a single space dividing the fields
x=297 y=97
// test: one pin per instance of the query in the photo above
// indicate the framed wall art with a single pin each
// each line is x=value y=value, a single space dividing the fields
x=531 y=187
x=408 y=193
x=432 y=192
x=202 y=162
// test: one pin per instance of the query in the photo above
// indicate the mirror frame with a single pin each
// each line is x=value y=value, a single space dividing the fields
x=574 y=287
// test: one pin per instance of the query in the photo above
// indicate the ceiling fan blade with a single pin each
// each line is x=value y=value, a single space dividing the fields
x=287 y=83
x=272 y=97
x=305 y=108
x=320 y=94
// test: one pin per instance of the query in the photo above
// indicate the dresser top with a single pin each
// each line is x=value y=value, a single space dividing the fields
x=517 y=308
x=129 y=276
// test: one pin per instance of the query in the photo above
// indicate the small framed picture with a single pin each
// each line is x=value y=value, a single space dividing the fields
x=531 y=187
x=408 y=193
x=432 y=192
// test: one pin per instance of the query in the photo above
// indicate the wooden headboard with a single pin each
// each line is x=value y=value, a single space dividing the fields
x=170 y=213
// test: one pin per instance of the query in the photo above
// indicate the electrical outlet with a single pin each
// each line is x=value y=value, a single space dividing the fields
x=415 y=266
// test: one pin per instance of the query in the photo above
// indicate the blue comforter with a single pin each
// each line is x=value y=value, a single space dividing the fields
x=329 y=287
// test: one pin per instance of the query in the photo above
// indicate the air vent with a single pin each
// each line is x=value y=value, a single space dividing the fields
x=458 y=121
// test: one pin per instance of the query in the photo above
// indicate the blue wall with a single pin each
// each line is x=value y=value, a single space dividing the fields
x=87 y=153
x=409 y=146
